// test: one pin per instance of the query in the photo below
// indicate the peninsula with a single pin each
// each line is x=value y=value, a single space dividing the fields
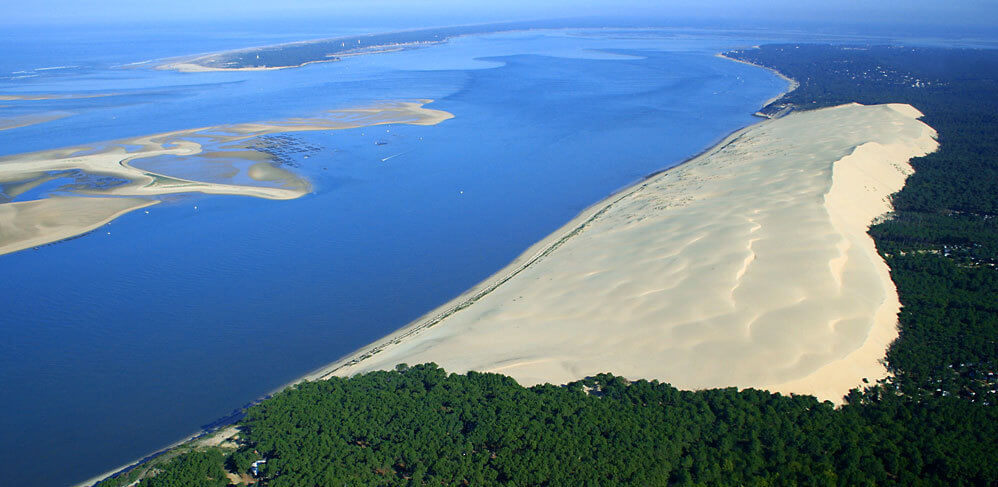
x=297 y=54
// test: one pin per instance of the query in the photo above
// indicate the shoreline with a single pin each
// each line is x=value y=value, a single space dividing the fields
x=527 y=258
x=440 y=34
x=531 y=254
x=874 y=345
x=839 y=327
x=190 y=66
x=794 y=84
x=417 y=325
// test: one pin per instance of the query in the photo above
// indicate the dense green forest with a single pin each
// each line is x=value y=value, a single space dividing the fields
x=934 y=423
x=421 y=426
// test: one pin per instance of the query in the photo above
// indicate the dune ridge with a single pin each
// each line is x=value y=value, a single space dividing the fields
x=747 y=266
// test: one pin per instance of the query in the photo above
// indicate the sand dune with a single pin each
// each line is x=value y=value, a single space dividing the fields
x=748 y=266
x=198 y=152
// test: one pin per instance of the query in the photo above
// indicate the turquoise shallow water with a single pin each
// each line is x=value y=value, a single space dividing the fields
x=116 y=345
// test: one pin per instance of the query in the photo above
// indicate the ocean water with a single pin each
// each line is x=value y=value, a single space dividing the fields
x=122 y=341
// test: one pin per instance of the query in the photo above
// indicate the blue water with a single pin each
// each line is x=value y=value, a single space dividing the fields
x=117 y=344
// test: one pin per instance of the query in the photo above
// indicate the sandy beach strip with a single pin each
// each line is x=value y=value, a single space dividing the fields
x=748 y=266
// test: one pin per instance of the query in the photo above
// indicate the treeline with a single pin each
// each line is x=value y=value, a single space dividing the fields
x=423 y=427
x=934 y=423
x=420 y=426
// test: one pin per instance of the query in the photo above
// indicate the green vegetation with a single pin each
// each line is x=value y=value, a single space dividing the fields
x=183 y=467
x=934 y=423
x=195 y=469
x=421 y=426
x=424 y=427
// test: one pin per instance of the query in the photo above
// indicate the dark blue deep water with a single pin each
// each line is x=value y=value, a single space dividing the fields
x=116 y=345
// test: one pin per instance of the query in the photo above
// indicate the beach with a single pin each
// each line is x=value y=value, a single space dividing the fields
x=747 y=266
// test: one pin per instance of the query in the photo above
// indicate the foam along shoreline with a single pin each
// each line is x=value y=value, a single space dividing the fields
x=82 y=206
x=747 y=266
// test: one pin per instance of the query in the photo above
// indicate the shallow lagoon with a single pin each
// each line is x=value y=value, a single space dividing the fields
x=129 y=338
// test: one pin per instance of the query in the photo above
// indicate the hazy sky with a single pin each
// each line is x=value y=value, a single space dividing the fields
x=973 y=13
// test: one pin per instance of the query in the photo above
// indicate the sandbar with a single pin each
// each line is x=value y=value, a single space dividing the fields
x=80 y=207
x=27 y=224
x=53 y=96
x=7 y=123
x=748 y=266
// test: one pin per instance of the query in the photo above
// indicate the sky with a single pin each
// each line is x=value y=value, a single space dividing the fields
x=974 y=14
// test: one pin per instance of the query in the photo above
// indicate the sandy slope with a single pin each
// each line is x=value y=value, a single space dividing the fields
x=748 y=266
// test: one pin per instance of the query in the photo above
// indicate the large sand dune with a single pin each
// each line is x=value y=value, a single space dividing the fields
x=747 y=266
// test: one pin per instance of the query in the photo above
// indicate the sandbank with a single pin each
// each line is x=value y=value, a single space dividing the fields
x=747 y=266
x=27 y=224
x=30 y=223
x=7 y=123
x=54 y=96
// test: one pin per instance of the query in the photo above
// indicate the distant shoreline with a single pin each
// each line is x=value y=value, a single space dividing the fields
x=794 y=84
x=302 y=53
